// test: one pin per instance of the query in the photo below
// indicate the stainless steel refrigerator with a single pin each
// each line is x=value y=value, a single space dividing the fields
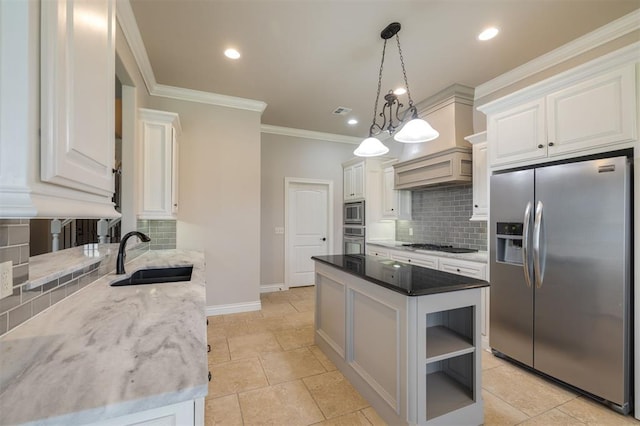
x=560 y=262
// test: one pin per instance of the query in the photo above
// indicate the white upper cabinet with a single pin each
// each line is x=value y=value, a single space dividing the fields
x=600 y=111
x=78 y=94
x=480 y=176
x=580 y=112
x=57 y=109
x=354 y=181
x=395 y=204
x=159 y=131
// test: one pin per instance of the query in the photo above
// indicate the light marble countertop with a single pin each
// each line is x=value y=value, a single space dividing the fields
x=108 y=351
x=480 y=256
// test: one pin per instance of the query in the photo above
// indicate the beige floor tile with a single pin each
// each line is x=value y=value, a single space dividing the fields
x=219 y=351
x=286 y=366
x=552 y=418
x=223 y=411
x=528 y=393
x=592 y=413
x=301 y=319
x=236 y=376
x=304 y=305
x=283 y=404
x=242 y=316
x=216 y=331
x=252 y=345
x=326 y=362
x=276 y=297
x=215 y=319
x=295 y=338
x=499 y=413
x=244 y=328
x=275 y=323
x=490 y=361
x=373 y=417
x=334 y=394
x=278 y=309
x=351 y=419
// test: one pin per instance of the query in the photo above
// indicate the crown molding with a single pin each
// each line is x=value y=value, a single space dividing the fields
x=208 y=98
x=127 y=20
x=598 y=37
x=308 y=134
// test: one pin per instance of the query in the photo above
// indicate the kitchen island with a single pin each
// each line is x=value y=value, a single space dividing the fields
x=407 y=337
x=112 y=355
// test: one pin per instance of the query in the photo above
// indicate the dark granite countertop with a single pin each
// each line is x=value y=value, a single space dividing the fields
x=407 y=279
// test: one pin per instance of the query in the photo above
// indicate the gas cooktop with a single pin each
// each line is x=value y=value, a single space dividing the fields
x=440 y=247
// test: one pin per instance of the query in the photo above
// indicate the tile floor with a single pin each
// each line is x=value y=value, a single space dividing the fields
x=266 y=370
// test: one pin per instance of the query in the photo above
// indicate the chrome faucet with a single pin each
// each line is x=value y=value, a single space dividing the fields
x=121 y=250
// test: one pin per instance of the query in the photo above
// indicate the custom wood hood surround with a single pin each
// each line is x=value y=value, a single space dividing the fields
x=447 y=159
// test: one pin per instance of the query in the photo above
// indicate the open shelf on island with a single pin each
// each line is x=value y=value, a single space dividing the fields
x=443 y=342
x=445 y=394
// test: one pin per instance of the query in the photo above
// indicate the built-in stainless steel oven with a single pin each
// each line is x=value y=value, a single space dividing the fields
x=354 y=213
x=354 y=238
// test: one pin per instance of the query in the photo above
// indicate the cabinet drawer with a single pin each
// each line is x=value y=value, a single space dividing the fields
x=377 y=252
x=463 y=267
x=418 y=260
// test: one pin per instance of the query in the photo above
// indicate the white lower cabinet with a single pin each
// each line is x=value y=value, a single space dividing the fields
x=416 y=259
x=413 y=358
x=463 y=267
x=377 y=252
x=182 y=414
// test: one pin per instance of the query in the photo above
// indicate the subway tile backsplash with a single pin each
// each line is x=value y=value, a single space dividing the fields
x=161 y=232
x=441 y=216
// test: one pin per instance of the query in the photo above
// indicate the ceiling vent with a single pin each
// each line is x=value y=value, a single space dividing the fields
x=341 y=111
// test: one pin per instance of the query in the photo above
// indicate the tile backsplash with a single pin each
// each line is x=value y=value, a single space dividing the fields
x=161 y=232
x=441 y=216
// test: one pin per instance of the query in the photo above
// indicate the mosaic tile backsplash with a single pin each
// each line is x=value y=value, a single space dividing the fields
x=441 y=216
x=161 y=232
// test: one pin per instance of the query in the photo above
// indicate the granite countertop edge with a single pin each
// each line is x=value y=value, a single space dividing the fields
x=111 y=346
x=476 y=283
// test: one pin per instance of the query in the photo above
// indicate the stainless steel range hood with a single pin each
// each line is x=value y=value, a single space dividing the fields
x=446 y=160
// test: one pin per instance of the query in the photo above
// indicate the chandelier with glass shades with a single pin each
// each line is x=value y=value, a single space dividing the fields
x=414 y=131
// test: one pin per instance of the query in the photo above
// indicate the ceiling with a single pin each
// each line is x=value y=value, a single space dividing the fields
x=305 y=58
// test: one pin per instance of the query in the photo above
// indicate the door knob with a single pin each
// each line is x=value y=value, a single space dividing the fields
x=324 y=239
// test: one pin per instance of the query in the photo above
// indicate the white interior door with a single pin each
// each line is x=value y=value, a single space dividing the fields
x=308 y=230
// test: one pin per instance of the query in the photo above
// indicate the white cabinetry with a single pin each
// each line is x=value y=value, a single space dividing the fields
x=575 y=115
x=354 y=181
x=480 y=176
x=183 y=413
x=395 y=204
x=415 y=259
x=463 y=267
x=159 y=131
x=61 y=83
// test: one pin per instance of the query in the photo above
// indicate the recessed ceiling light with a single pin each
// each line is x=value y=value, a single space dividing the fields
x=400 y=91
x=352 y=121
x=488 y=34
x=232 y=53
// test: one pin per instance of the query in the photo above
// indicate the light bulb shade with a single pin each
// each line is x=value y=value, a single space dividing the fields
x=370 y=147
x=416 y=131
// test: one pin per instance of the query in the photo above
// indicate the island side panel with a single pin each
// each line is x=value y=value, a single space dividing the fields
x=374 y=321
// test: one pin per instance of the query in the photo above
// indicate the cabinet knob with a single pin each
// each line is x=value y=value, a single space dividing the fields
x=392 y=209
x=458 y=269
x=209 y=375
x=409 y=260
x=175 y=205
x=208 y=348
x=551 y=143
x=540 y=146
x=475 y=205
x=324 y=239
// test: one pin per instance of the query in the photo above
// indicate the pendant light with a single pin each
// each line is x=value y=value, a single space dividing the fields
x=416 y=130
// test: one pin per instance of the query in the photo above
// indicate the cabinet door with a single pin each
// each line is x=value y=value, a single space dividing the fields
x=181 y=413
x=156 y=172
x=517 y=134
x=78 y=94
x=597 y=112
x=463 y=267
x=358 y=181
x=348 y=193
x=174 y=172
x=389 y=195
x=480 y=182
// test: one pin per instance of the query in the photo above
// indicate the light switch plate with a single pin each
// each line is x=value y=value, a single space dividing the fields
x=410 y=231
x=6 y=279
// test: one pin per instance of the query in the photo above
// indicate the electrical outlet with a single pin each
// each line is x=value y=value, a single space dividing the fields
x=410 y=231
x=279 y=230
x=6 y=279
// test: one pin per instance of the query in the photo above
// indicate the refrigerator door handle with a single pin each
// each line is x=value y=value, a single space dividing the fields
x=525 y=244
x=538 y=257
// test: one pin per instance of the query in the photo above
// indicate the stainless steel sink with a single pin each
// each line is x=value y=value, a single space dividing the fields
x=157 y=276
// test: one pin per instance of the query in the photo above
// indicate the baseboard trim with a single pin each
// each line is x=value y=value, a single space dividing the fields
x=270 y=288
x=233 y=308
